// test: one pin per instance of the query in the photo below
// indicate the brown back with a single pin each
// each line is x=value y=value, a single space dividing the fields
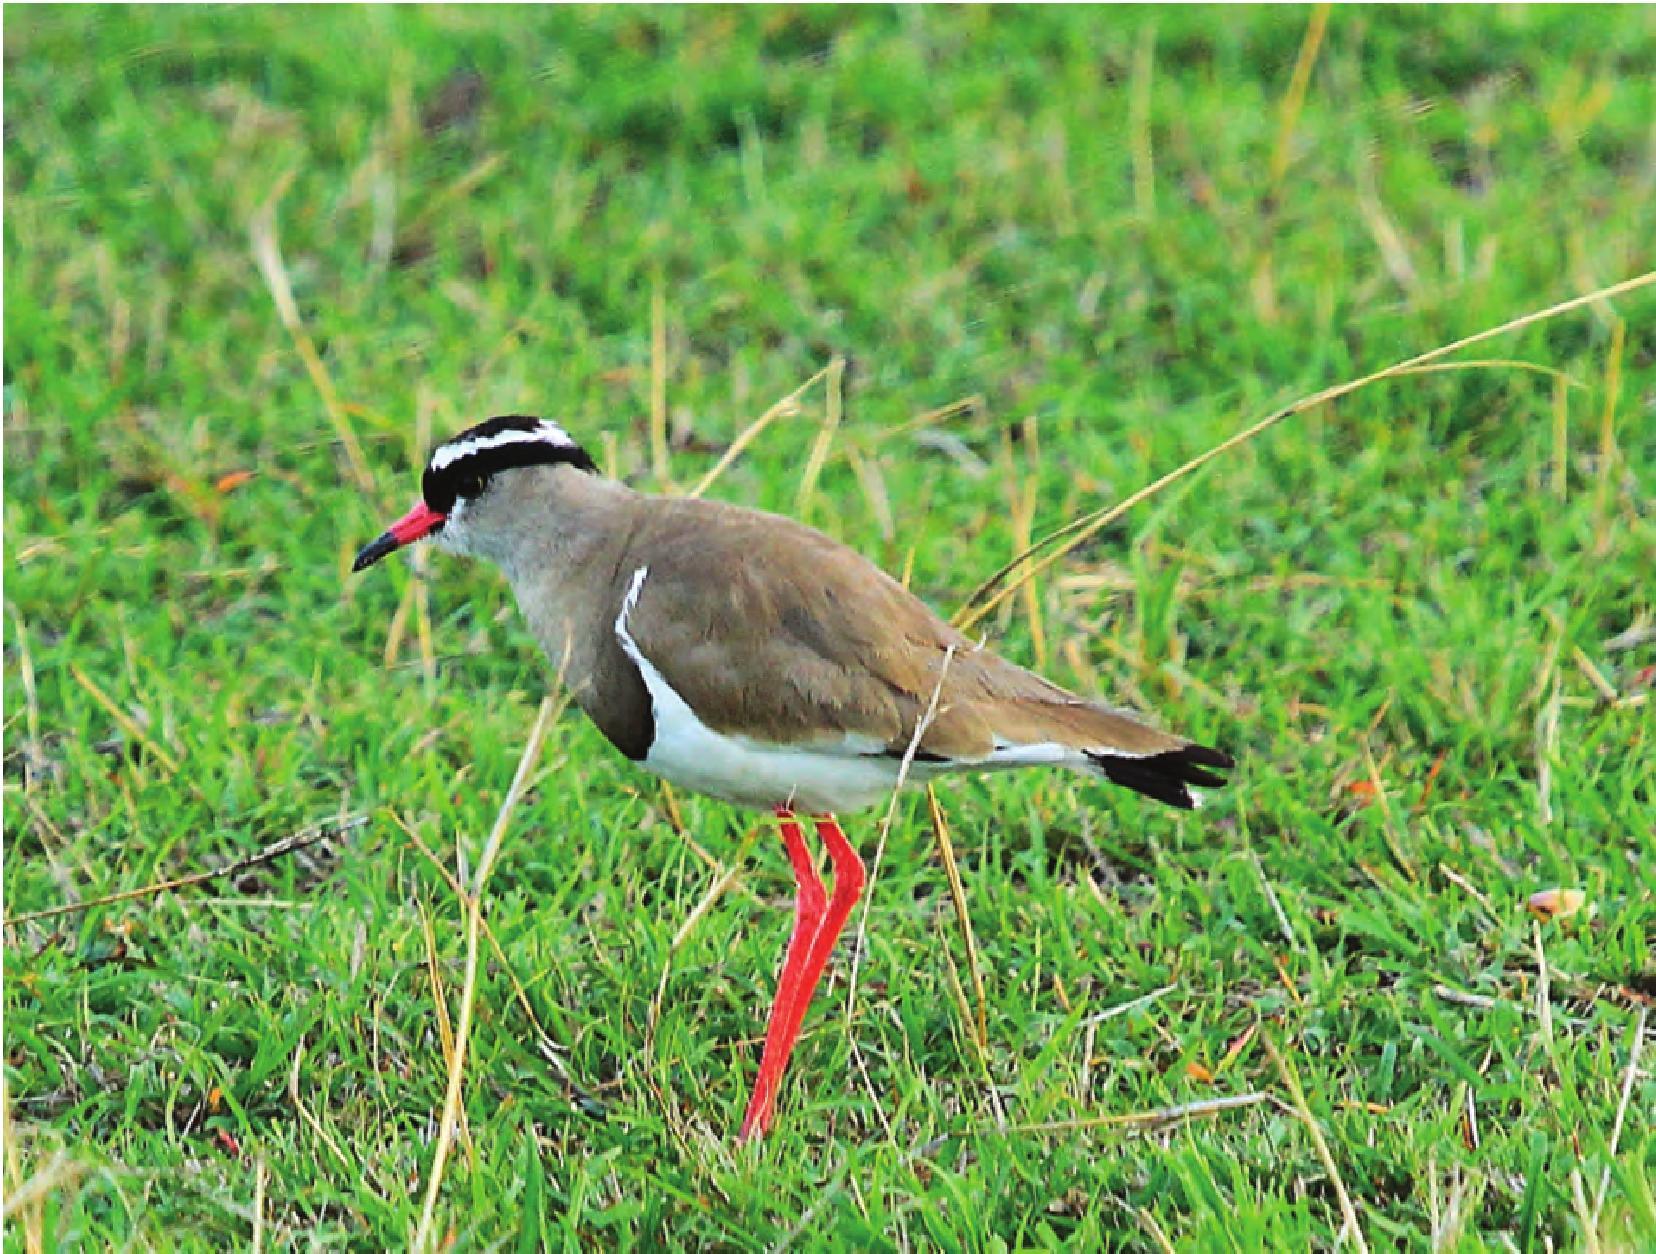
x=772 y=630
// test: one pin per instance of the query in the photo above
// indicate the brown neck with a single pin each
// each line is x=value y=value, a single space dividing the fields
x=548 y=523
x=564 y=534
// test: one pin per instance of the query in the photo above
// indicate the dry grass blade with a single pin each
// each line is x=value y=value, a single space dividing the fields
x=957 y=890
x=1559 y=377
x=468 y=990
x=59 y=1172
x=258 y=1204
x=751 y=432
x=981 y=603
x=723 y=879
x=833 y=414
x=1628 y=1077
x=124 y=721
x=966 y=405
x=1318 y=1141
x=268 y=253
x=549 y=1048
x=398 y=627
x=1127 y=1007
x=287 y=845
x=720 y=886
x=1594 y=675
x=1389 y=241
x=903 y=768
x=457 y=190
x=445 y=1030
x=1022 y=514
x=310 y=1120
x=1607 y=430
x=1157 y=1233
x=1146 y=1120
x=31 y=699
x=1578 y=1199
x=15 y=1185
x=1455 y=997
x=1294 y=100
x=1388 y=826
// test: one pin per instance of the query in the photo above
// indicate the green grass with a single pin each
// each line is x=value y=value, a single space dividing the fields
x=1072 y=216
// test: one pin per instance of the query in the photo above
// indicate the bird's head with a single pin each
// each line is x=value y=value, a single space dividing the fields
x=467 y=500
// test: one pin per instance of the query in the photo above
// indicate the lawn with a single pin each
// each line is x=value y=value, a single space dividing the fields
x=258 y=260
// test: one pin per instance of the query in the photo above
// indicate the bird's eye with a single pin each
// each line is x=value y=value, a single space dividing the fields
x=469 y=487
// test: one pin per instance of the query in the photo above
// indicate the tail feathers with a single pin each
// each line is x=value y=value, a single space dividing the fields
x=1167 y=776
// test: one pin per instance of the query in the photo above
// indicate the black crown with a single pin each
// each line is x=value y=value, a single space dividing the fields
x=473 y=457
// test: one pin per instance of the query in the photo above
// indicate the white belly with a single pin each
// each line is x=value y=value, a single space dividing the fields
x=815 y=779
x=747 y=772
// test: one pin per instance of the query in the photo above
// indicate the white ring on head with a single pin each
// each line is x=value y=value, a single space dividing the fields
x=543 y=432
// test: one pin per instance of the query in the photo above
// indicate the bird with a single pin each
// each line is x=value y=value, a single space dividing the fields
x=748 y=657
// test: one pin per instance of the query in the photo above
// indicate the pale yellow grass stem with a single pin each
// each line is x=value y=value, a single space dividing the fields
x=468 y=991
x=1078 y=531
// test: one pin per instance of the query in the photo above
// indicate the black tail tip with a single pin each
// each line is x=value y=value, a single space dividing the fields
x=1168 y=777
x=1203 y=755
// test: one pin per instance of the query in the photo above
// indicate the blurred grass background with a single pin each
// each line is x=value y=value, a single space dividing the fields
x=1062 y=252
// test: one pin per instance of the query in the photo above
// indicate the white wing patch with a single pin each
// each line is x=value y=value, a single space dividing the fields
x=544 y=432
x=627 y=603
x=1005 y=753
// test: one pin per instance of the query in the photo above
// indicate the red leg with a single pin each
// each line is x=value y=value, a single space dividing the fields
x=849 y=878
x=810 y=902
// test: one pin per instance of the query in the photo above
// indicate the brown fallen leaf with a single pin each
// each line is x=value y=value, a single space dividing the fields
x=1074 y=1202
x=1363 y=790
x=1556 y=903
x=1234 y=1050
x=230 y=482
x=1431 y=778
x=457 y=103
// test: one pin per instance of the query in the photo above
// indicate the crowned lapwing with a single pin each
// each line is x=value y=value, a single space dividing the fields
x=748 y=657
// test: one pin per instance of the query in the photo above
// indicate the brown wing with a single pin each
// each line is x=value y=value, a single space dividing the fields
x=772 y=630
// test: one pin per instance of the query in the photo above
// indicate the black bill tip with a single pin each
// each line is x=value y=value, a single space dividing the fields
x=375 y=549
